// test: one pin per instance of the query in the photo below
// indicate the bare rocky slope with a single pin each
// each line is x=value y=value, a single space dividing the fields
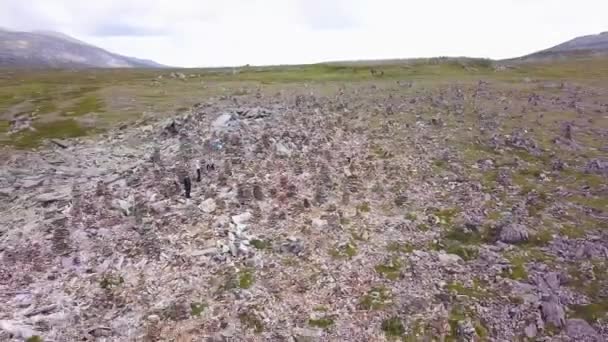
x=585 y=46
x=376 y=213
x=55 y=50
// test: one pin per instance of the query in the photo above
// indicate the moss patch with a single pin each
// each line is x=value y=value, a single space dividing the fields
x=460 y=313
x=423 y=227
x=393 y=327
x=398 y=247
x=542 y=238
x=344 y=251
x=4 y=126
x=363 y=208
x=376 y=299
x=391 y=271
x=476 y=290
x=60 y=129
x=323 y=323
x=517 y=270
x=446 y=216
x=196 y=308
x=467 y=253
x=34 y=338
x=572 y=232
x=110 y=281
x=246 y=279
x=594 y=202
x=460 y=235
x=261 y=244
x=591 y=312
x=88 y=104
x=251 y=321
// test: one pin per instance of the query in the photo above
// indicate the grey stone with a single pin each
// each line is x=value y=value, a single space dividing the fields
x=526 y=291
x=241 y=219
x=17 y=329
x=233 y=249
x=580 y=330
x=597 y=166
x=293 y=246
x=513 y=233
x=448 y=259
x=31 y=183
x=60 y=194
x=205 y=252
x=282 y=150
x=531 y=331
x=553 y=312
x=319 y=223
x=125 y=206
x=221 y=121
x=553 y=280
x=208 y=206
x=306 y=334
x=592 y=250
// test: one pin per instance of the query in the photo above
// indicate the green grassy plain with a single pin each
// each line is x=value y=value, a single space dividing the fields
x=71 y=103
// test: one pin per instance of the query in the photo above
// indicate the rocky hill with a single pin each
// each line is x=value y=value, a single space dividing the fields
x=585 y=46
x=43 y=49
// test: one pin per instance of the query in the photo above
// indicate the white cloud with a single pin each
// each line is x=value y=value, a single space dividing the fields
x=237 y=32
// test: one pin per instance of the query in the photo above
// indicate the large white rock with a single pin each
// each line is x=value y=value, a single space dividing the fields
x=241 y=219
x=282 y=150
x=208 y=206
x=221 y=121
x=448 y=259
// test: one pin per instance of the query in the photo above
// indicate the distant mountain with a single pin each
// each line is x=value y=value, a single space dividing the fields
x=585 y=46
x=47 y=49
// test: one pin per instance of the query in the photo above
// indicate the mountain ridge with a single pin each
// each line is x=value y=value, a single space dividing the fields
x=594 y=45
x=49 y=49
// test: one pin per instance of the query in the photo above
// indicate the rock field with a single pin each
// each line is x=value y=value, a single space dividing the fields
x=472 y=211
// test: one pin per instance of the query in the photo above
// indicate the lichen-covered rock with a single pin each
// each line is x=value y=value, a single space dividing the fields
x=580 y=330
x=552 y=312
x=513 y=233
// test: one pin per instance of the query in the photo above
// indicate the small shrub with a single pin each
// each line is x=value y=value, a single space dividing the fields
x=393 y=327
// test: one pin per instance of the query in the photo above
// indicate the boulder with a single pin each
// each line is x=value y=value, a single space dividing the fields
x=513 y=233
x=208 y=206
x=580 y=330
x=553 y=312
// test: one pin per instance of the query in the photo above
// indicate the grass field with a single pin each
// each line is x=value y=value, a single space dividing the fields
x=70 y=103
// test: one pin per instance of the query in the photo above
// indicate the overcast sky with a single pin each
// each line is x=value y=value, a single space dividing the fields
x=236 y=32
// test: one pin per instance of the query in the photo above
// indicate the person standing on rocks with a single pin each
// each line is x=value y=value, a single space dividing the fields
x=183 y=164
